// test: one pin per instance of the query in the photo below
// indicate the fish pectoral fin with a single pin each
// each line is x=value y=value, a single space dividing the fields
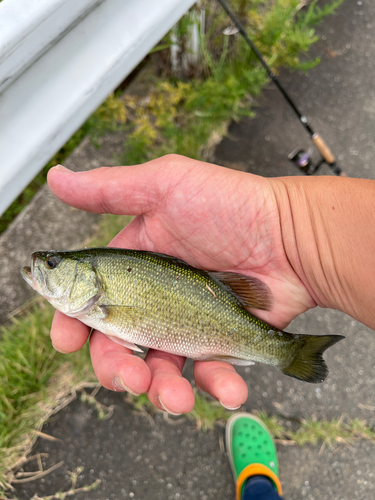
x=124 y=343
x=250 y=291
x=229 y=359
x=111 y=312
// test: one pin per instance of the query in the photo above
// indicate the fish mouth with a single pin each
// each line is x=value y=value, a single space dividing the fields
x=27 y=275
x=33 y=275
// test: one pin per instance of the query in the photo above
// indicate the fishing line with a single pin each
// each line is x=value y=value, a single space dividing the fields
x=299 y=157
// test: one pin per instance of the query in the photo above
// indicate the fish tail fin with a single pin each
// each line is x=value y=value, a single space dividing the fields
x=309 y=365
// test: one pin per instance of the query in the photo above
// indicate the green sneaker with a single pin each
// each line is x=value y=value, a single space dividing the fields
x=251 y=450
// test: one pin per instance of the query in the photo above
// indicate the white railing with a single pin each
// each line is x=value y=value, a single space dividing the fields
x=59 y=60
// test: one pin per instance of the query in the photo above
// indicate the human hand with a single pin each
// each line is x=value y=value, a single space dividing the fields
x=211 y=217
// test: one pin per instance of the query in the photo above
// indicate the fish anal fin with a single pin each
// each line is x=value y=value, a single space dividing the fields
x=309 y=364
x=228 y=359
x=250 y=291
x=124 y=343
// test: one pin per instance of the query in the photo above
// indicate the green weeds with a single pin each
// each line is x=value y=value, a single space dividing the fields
x=109 y=226
x=180 y=115
x=26 y=364
x=315 y=431
x=72 y=491
x=34 y=377
x=102 y=411
x=315 y=15
x=207 y=413
x=332 y=431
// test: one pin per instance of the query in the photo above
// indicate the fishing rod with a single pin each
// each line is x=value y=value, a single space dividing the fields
x=299 y=157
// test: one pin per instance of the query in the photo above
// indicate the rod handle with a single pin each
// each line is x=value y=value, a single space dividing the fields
x=323 y=149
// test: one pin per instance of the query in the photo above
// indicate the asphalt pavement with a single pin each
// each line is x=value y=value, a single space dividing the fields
x=135 y=456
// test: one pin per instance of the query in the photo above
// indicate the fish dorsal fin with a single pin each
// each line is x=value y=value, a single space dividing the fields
x=250 y=291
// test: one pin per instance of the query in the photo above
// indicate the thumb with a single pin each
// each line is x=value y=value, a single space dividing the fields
x=132 y=190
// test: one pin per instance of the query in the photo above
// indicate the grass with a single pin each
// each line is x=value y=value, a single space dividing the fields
x=33 y=380
x=109 y=226
x=207 y=413
x=315 y=431
x=72 y=491
x=26 y=365
x=177 y=116
x=35 y=377
x=181 y=115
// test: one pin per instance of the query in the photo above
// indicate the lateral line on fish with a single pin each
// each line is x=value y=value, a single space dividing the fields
x=210 y=289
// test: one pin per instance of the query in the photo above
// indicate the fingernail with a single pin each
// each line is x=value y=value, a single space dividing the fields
x=166 y=409
x=60 y=350
x=118 y=385
x=228 y=407
x=62 y=168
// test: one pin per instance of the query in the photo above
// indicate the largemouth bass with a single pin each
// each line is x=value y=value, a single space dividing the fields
x=161 y=302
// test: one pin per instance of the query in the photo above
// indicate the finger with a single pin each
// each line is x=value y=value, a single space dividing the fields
x=132 y=190
x=222 y=382
x=169 y=391
x=68 y=334
x=116 y=367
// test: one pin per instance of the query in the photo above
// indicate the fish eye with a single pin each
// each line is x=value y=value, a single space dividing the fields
x=51 y=262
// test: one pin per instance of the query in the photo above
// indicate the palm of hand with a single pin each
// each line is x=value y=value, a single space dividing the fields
x=212 y=218
x=217 y=219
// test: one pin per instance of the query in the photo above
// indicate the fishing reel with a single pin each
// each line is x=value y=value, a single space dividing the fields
x=299 y=157
x=303 y=160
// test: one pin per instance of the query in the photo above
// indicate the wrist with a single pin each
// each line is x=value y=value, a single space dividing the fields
x=327 y=236
x=298 y=230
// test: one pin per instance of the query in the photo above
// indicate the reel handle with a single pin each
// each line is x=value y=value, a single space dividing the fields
x=323 y=149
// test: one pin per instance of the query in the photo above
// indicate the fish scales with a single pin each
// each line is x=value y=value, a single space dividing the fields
x=159 y=301
x=199 y=324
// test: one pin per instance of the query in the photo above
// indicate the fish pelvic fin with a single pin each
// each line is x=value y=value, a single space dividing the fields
x=125 y=343
x=309 y=364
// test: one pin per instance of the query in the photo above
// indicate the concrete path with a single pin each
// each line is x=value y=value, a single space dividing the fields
x=136 y=457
